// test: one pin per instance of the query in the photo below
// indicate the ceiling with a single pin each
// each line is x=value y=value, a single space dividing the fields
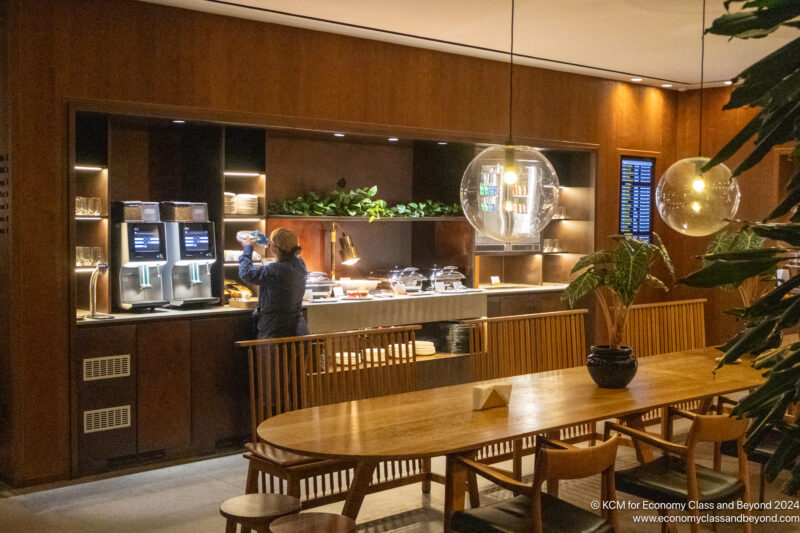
x=657 y=40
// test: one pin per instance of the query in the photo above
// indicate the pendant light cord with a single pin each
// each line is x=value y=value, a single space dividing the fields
x=702 y=68
x=511 y=79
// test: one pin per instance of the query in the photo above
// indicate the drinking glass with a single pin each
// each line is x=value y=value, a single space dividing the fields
x=561 y=212
x=98 y=256
x=80 y=205
x=93 y=206
x=81 y=255
x=555 y=245
x=547 y=247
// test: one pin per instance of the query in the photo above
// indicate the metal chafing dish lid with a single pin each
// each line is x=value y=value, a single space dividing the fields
x=410 y=274
x=318 y=279
x=448 y=273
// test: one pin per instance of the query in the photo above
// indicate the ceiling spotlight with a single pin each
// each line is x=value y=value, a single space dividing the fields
x=338 y=134
x=636 y=79
x=728 y=82
x=179 y=122
x=666 y=85
x=393 y=139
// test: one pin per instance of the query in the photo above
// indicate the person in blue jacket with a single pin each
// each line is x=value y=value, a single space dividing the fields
x=281 y=285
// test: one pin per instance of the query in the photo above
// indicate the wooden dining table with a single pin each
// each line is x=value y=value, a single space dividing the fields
x=441 y=421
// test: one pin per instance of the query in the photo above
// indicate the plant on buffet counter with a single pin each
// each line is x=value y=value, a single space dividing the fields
x=359 y=203
x=772 y=84
x=616 y=276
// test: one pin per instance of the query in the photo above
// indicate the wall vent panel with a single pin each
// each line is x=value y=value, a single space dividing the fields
x=106 y=419
x=112 y=366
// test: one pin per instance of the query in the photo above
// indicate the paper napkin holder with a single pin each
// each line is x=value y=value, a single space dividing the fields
x=492 y=395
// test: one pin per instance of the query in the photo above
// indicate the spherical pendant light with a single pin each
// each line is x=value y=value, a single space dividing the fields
x=697 y=203
x=509 y=193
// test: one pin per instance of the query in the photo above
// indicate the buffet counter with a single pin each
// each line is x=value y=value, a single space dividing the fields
x=345 y=314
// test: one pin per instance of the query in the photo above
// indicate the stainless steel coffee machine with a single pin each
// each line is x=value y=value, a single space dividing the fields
x=139 y=253
x=191 y=252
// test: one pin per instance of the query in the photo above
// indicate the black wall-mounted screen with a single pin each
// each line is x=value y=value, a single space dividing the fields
x=636 y=196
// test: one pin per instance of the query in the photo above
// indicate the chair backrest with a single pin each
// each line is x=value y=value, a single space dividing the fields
x=524 y=344
x=666 y=327
x=716 y=428
x=575 y=463
x=295 y=372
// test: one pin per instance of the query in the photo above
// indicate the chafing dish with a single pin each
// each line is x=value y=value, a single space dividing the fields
x=449 y=276
x=320 y=285
x=410 y=277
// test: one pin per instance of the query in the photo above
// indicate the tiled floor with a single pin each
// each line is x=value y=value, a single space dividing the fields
x=186 y=498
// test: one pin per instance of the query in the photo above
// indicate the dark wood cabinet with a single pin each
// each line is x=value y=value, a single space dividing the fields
x=163 y=385
x=220 y=394
x=525 y=303
x=104 y=375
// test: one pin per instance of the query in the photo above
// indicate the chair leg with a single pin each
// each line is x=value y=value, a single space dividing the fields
x=230 y=526
x=762 y=483
x=251 y=486
x=426 y=469
x=293 y=486
x=665 y=527
x=472 y=489
x=516 y=451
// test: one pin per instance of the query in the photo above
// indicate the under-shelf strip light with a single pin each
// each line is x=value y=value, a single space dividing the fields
x=242 y=219
x=86 y=168
x=88 y=218
x=239 y=173
x=84 y=269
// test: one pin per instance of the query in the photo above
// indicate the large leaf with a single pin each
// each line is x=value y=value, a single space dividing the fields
x=631 y=260
x=595 y=258
x=729 y=272
x=746 y=24
x=749 y=340
x=581 y=286
x=792 y=199
x=768 y=302
x=662 y=251
x=789 y=233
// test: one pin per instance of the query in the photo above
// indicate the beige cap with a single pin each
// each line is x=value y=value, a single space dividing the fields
x=283 y=239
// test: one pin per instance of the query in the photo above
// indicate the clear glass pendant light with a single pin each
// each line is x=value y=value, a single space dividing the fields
x=691 y=201
x=508 y=192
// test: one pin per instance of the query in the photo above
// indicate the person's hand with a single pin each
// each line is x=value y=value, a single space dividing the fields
x=244 y=241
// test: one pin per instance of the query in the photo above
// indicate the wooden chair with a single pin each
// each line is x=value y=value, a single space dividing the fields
x=256 y=511
x=762 y=452
x=532 y=510
x=675 y=477
x=524 y=344
x=296 y=372
x=666 y=327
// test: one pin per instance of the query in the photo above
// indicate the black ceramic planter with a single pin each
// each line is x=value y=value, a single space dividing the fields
x=612 y=368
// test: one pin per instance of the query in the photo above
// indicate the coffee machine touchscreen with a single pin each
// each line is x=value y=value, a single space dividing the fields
x=195 y=240
x=146 y=239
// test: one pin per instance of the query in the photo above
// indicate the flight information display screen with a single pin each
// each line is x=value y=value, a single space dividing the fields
x=146 y=238
x=636 y=196
x=195 y=240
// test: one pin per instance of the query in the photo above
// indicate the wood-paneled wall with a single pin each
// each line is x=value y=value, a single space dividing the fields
x=197 y=65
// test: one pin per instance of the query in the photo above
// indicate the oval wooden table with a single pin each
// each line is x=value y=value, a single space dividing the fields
x=437 y=422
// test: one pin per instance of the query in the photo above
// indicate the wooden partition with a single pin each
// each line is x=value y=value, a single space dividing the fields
x=665 y=327
x=297 y=372
x=524 y=344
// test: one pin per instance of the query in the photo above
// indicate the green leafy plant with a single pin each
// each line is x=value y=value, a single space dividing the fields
x=616 y=276
x=360 y=202
x=773 y=85
x=744 y=240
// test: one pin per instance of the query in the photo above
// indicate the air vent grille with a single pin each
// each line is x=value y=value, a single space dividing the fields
x=524 y=247
x=112 y=366
x=490 y=247
x=105 y=419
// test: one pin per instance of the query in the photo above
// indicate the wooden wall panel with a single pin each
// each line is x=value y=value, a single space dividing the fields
x=148 y=58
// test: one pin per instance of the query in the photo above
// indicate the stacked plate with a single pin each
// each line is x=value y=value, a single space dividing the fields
x=230 y=203
x=454 y=337
x=246 y=204
x=348 y=358
x=394 y=351
x=425 y=347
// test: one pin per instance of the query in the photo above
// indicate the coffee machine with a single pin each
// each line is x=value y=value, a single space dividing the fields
x=139 y=254
x=191 y=252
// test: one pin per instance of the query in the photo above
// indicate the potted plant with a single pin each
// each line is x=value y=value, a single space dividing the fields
x=727 y=244
x=615 y=276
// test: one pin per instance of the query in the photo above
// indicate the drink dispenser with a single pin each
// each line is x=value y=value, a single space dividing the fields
x=139 y=254
x=191 y=252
